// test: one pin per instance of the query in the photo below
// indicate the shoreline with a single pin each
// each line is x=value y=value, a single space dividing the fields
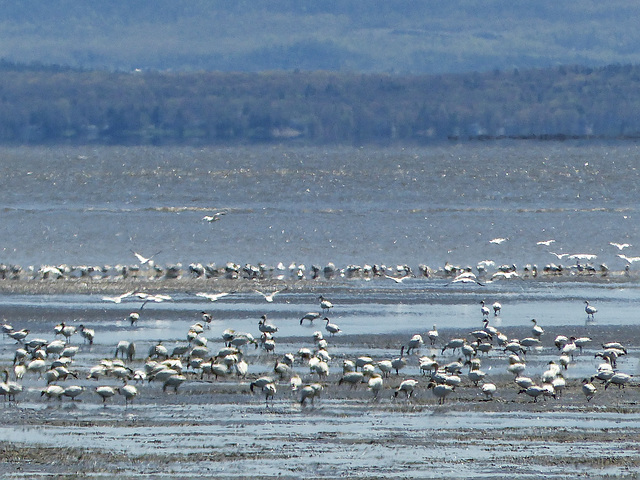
x=113 y=285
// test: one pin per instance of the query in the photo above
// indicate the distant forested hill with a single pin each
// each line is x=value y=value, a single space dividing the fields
x=61 y=105
x=394 y=36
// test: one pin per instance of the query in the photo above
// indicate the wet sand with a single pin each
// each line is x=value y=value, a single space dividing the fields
x=217 y=428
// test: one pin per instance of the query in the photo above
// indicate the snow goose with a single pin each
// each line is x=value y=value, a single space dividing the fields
x=488 y=390
x=362 y=361
x=260 y=383
x=415 y=343
x=269 y=391
x=310 y=392
x=534 y=391
x=516 y=365
x=407 y=387
x=441 y=391
x=352 y=378
x=385 y=366
x=375 y=384
x=400 y=362
x=558 y=384
x=52 y=391
x=560 y=341
x=348 y=366
x=476 y=376
x=266 y=327
x=491 y=330
x=174 y=381
x=310 y=316
x=454 y=344
x=484 y=309
x=19 y=335
x=105 y=392
x=524 y=382
x=6 y=329
x=332 y=328
x=325 y=304
x=581 y=342
x=125 y=349
x=87 y=334
x=537 y=330
x=129 y=392
x=591 y=310
x=497 y=308
x=73 y=391
x=588 y=389
x=433 y=335
x=619 y=379
x=428 y=364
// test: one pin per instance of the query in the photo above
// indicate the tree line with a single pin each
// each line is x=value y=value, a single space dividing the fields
x=42 y=104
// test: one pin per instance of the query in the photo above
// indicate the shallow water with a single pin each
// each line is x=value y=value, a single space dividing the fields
x=92 y=205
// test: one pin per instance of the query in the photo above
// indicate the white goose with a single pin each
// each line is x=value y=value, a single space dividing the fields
x=332 y=328
x=433 y=335
x=407 y=386
x=588 y=389
x=441 y=391
x=375 y=384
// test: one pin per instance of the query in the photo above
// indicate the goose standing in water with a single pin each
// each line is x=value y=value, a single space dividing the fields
x=375 y=384
x=591 y=310
x=433 y=335
x=537 y=330
x=269 y=391
x=52 y=391
x=415 y=343
x=265 y=327
x=73 y=391
x=105 y=392
x=129 y=392
x=87 y=333
x=311 y=316
x=310 y=392
x=497 y=308
x=325 y=304
x=588 y=389
x=332 y=328
x=484 y=309
x=8 y=388
x=400 y=362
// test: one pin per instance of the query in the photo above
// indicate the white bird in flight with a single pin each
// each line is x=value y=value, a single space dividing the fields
x=118 y=298
x=546 y=243
x=498 y=241
x=269 y=296
x=629 y=259
x=213 y=296
x=142 y=259
x=620 y=246
x=398 y=279
x=214 y=217
x=559 y=256
x=583 y=256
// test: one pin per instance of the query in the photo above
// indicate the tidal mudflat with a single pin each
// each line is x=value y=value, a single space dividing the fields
x=217 y=427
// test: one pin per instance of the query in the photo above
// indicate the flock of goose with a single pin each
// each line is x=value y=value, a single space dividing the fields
x=305 y=372
x=147 y=268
